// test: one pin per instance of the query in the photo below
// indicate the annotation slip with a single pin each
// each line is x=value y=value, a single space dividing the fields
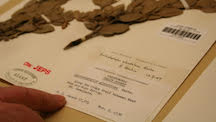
x=117 y=87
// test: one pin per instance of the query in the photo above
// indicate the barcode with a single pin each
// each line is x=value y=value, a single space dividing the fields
x=182 y=33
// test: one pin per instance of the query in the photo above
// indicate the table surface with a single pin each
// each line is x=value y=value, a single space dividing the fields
x=69 y=115
x=2 y=2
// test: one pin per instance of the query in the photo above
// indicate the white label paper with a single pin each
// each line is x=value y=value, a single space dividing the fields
x=118 y=87
x=182 y=32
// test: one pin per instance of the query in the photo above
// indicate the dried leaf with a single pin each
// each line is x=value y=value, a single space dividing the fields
x=191 y=3
x=104 y=3
x=143 y=18
x=131 y=17
x=68 y=16
x=21 y=18
x=209 y=10
x=133 y=5
x=149 y=6
x=91 y=25
x=9 y=33
x=118 y=10
x=28 y=27
x=15 y=35
x=169 y=12
x=44 y=29
x=154 y=17
x=93 y=15
x=178 y=5
x=79 y=15
x=108 y=10
x=109 y=30
x=208 y=6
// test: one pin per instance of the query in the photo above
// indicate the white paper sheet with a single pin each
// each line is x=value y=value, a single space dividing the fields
x=198 y=104
x=135 y=73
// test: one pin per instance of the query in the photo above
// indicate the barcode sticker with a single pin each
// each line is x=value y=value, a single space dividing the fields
x=182 y=32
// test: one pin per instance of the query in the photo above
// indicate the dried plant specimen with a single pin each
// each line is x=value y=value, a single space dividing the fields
x=137 y=11
x=30 y=18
